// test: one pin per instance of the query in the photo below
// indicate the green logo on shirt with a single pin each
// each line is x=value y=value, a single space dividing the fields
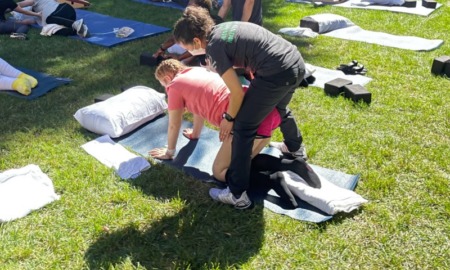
x=228 y=31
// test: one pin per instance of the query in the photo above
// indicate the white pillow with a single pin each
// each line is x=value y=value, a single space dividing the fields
x=122 y=113
x=298 y=32
x=322 y=23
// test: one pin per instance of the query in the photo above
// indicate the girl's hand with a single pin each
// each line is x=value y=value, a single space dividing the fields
x=188 y=133
x=225 y=129
x=160 y=153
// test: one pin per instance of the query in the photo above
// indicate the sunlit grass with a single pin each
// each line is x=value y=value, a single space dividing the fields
x=166 y=220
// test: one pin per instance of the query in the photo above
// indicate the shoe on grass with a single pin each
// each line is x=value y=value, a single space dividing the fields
x=19 y=36
x=283 y=148
x=225 y=196
x=84 y=32
x=76 y=25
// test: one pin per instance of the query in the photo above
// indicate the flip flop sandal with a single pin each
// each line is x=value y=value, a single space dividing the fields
x=19 y=36
x=359 y=70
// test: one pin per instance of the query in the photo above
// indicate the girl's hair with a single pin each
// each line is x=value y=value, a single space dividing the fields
x=169 y=66
x=195 y=23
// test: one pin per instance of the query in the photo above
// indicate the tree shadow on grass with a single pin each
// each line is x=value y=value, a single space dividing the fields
x=202 y=234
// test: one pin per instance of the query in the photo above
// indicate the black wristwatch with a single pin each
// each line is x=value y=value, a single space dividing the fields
x=227 y=117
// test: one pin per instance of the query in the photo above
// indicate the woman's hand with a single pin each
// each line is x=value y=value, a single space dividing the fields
x=160 y=153
x=225 y=129
x=188 y=133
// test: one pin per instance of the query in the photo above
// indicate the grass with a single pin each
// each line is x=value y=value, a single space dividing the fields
x=165 y=219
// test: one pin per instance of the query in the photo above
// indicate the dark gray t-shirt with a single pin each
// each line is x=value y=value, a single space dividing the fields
x=237 y=8
x=247 y=45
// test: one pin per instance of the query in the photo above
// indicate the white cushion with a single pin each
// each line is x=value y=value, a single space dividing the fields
x=122 y=113
x=328 y=22
x=298 y=32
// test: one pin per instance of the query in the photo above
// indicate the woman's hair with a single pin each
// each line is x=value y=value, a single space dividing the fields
x=169 y=66
x=195 y=23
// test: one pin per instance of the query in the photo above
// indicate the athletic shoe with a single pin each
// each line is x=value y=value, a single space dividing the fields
x=225 y=196
x=84 y=32
x=20 y=36
x=76 y=25
x=22 y=86
x=283 y=148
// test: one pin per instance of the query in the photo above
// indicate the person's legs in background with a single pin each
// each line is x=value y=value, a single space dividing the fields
x=66 y=15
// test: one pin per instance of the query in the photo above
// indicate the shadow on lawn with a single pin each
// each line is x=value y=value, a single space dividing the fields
x=202 y=234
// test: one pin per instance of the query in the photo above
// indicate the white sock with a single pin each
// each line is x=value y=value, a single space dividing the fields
x=8 y=70
x=6 y=83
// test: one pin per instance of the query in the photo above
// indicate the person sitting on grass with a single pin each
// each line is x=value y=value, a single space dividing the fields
x=14 y=28
x=13 y=79
x=62 y=15
x=205 y=95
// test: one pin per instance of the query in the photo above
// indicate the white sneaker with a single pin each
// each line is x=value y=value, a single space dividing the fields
x=76 y=25
x=84 y=32
x=225 y=196
x=283 y=148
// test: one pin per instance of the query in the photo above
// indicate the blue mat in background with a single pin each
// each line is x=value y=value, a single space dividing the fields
x=162 y=4
x=101 y=28
x=196 y=158
x=46 y=83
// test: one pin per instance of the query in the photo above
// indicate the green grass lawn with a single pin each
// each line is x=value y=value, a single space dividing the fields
x=400 y=144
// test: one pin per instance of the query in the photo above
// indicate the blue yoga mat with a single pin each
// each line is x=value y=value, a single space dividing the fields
x=101 y=28
x=196 y=159
x=46 y=83
x=162 y=4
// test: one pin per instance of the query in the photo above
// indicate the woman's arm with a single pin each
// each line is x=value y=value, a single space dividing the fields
x=247 y=10
x=175 y=119
x=194 y=133
x=223 y=11
x=27 y=12
x=26 y=3
x=236 y=96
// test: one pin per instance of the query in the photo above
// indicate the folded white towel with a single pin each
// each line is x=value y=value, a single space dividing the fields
x=126 y=164
x=24 y=190
x=50 y=29
x=329 y=198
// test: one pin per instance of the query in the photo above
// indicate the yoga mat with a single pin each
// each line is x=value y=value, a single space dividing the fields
x=162 y=4
x=418 y=10
x=101 y=28
x=196 y=158
x=46 y=84
x=356 y=33
x=324 y=75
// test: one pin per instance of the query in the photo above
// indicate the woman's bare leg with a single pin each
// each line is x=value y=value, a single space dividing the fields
x=223 y=157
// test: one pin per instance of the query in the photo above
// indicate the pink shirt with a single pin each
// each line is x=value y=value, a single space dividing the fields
x=201 y=92
x=204 y=93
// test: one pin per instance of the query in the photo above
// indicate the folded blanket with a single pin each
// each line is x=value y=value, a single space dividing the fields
x=24 y=190
x=356 y=33
x=329 y=198
x=126 y=164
